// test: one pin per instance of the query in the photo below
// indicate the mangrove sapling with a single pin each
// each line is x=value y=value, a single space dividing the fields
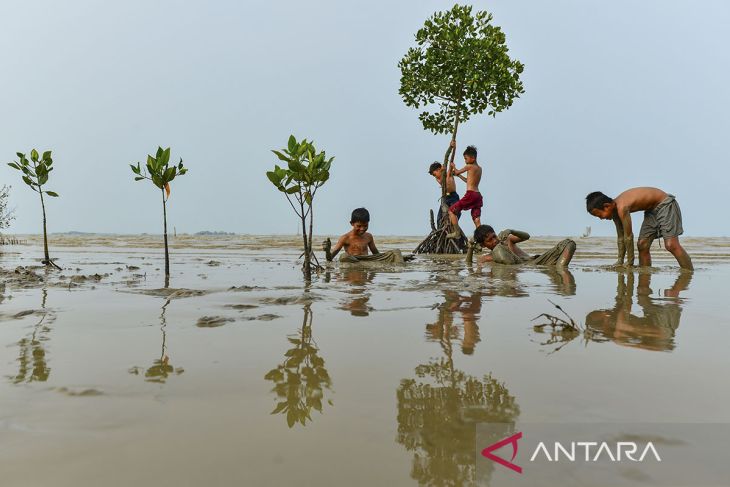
x=161 y=173
x=459 y=68
x=35 y=174
x=307 y=170
x=562 y=331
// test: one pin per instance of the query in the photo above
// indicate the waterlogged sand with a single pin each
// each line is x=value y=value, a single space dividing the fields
x=237 y=375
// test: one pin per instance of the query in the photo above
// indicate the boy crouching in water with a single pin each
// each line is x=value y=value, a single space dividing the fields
x=358 y=241
x=662 y=218
x=505 y=250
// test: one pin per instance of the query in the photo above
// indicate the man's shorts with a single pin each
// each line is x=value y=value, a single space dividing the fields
x=472 y=200
x=664 y=221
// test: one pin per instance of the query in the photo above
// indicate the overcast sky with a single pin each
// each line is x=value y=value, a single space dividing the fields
x=617 y=94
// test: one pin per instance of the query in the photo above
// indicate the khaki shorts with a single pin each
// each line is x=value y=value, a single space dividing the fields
x=664 y=221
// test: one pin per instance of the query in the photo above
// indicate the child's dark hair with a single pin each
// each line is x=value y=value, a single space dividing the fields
x=482 y=232
x=596 y=200
x=360 y=215
x=471 y=151
x=434 y=167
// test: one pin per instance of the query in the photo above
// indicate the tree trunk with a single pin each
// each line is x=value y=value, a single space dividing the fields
x=307 y=268
x=167 y=253
x=436 y=242
x=46 y=257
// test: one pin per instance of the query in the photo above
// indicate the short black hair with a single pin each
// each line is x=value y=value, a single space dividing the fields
x=471 y=151
x=360 y=215
x=482 y=232
x=433 y=167
x=596 y=200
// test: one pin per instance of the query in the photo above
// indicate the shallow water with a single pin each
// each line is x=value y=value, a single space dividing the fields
x=237 y=375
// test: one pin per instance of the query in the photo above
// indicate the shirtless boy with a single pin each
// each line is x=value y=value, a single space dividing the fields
x=505 y=250
x=472 y=199
x=358 y=241
x=437 y=171
x=662 y=218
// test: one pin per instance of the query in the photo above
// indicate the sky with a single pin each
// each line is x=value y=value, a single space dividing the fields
x=618 y=94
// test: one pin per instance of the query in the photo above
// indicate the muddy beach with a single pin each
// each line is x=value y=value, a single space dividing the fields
x=236 y=371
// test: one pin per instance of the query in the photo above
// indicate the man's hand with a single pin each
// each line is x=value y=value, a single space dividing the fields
x=452 y=144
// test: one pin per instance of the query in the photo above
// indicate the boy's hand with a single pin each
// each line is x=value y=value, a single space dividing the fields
x=452 y=144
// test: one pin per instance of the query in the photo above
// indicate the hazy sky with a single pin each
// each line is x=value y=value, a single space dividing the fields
x=618 y=94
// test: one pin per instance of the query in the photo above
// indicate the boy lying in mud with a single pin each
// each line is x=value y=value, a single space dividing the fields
x=358 y=241
x=662 y=218
x=505 y=250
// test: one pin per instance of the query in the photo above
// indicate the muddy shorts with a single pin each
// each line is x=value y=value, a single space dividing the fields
x=664 y=221
x=472 y=200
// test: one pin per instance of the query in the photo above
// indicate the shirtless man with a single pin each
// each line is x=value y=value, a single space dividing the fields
x=358 y=241
x=662 y=218
x=472 y=199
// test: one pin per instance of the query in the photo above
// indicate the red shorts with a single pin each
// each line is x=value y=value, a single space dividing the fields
x=472 y=200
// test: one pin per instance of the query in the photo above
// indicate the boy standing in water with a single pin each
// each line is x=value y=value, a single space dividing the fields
x=662 y=218
x=472 y=199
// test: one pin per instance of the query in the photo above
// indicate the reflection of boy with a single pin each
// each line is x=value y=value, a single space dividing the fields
x=505 y=250
x=662 y=218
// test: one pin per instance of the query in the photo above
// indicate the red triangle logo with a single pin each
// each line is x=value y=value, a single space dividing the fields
x=487 y=452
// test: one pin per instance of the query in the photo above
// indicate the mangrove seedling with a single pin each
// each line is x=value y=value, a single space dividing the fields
x=35 y=175
x=306 y=171
x=161 y=173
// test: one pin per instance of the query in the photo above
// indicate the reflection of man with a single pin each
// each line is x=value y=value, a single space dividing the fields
x=654 y=330
x=444 y=329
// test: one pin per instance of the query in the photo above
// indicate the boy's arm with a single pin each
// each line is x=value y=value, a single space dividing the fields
x=464 y=169
x=338 y=246
x=452 y=172
x=627 y=236
x=486 y=258
x=517 y=236
x=372 y=247
x=619 y=240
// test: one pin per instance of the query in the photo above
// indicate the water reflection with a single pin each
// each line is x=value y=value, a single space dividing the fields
x=655 y=329
x=504 y=280
x=161 y=368
x=357 y=279
x=444 y=330
x=438 y=409
x=32 y=360
x=301 y=381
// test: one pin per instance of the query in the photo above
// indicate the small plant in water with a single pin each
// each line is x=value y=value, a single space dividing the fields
x=562 y=331
x=35 y=175
x=306 y=171
x=159 y=171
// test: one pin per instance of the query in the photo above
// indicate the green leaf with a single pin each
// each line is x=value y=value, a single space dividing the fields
x=46 y=156
x=27 y=181
x=14 y=165
x=281 y=156
x=52 y=193
x=166 y=156
x=292 y=144
x=138 y=178
x=34 y=155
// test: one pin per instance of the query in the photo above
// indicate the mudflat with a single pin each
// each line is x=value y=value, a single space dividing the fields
x=238 y=374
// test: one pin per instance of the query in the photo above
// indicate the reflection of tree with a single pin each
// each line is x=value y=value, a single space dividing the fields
x=444 y=330
x=301 y=380
x=654 y=330
x=437 y=416
x=161 y=368
x=33 y=366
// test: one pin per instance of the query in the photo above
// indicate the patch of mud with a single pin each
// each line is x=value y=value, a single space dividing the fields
x=213 y=263
x=240 y=307
x=171 y=292
x=264 y=317
x=245 y=288
x=285 y=300
x=212 y=321
x=80 y=393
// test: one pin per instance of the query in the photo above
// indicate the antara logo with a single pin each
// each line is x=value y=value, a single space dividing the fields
x=586 y=451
